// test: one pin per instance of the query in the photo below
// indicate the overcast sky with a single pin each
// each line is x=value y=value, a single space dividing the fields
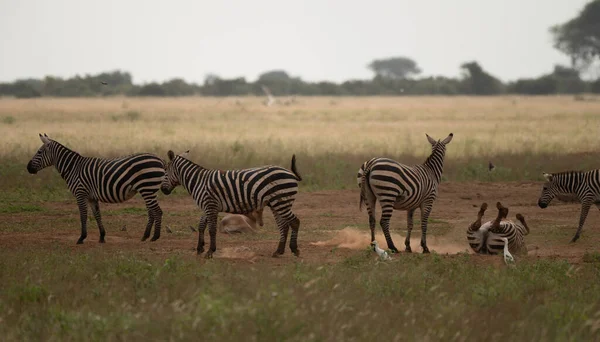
x=313 y=39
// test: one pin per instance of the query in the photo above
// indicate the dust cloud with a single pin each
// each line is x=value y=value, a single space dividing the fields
x=353 y=238
x=241 y=252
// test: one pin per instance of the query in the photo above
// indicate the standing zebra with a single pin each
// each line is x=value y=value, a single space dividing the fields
x=401 y=187
x=584 y=184
x=92 y=180
x=488 y=238
x=237 y=192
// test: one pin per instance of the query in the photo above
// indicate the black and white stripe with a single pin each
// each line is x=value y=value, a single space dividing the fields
x=402 y=187
x=487 y=238
x=94 y=180
x=583 y=184
x=237 y=192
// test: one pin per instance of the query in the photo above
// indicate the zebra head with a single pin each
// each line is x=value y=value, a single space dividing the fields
x=43 y=157
x=550 y=189
x=439 y=146
x=172 y=179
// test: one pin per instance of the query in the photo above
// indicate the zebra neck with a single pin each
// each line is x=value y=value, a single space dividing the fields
x=191 y=175
x=66 y=162
x=435 y=165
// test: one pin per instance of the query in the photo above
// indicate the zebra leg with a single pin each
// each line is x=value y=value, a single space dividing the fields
x=284 y=226
x=295 y=224
x=384 y=222
x=96 y=211
x=477 y=224
x=585 y=208
x=157 y=214
x=151 y=203
x=522 y=220
x=425 y=211
x=409 y=228
x=201 y=229
x=212 y=231
x=370 y=200
x=82 y=204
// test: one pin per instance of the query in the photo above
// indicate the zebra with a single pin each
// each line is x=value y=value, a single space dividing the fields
x=402 y=187
x=584 y=185
x=93 y=180
x=487 y=238
x=237 y=192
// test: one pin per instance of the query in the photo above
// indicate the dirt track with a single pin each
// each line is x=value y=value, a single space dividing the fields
x=331 y=226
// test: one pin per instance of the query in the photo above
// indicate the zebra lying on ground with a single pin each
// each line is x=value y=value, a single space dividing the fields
x=585 y=185
x=237 y=192
x=488 y=238
x=238 y=223
x=401 y=187
x=93 y=180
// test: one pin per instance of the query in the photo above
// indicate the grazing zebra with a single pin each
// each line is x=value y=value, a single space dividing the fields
x=488 y=238
x=94 y=180
x=402 y=187
x=237 y=192
x=585 y=185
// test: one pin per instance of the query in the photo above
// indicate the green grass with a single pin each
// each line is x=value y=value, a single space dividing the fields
x=9 y=208
x=97 y=295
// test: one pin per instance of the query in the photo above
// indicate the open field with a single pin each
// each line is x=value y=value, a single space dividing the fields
x=53 y=289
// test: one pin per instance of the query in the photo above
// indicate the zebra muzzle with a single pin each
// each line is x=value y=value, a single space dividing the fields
x=31 y=169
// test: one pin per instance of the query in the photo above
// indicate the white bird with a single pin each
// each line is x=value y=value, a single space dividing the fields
x=270 y=98
x=508 y=258
x=382 y=254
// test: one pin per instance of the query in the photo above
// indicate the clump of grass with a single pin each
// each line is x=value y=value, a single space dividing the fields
x=9 y=120
x=130 y=115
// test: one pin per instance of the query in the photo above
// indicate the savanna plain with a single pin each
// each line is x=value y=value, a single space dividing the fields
x=337 y=290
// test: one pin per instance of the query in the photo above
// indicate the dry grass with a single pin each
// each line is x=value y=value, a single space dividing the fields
x=358 y=126
x=332 y=137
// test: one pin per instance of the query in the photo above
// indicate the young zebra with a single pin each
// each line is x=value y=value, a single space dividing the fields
x=585 y=185
x=488 y=238
x=401 y=187
x=237 y=192
x=94 y=180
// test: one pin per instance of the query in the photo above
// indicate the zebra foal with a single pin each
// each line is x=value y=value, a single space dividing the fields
x=585 y=185
x=237 y=192
x=93 y=180
x=402 y=187
x=487 y=238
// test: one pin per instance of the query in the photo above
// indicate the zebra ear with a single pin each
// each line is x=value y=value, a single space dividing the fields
x=171 y=155
x=431 y=140
x=548 y=176
x=448 y=138
x=44 y=138
x=185 y=154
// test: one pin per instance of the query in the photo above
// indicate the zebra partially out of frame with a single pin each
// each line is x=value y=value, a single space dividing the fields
x=585 y=185
x=402 y=187
x=487 y=238
x=93 y=180
x=237 y=192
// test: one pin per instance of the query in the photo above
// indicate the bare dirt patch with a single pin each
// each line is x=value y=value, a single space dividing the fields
x=332 y=227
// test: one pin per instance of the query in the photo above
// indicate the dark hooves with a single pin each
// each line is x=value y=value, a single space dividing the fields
x=154 y=238
x=79 y=242
x=296 y=252
x=408 y=250
x=426 y=251
x=102 y=241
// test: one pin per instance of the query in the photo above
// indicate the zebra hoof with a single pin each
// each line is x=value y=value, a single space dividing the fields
x=80 y=242
x=575 y=238
x=276 y=254
x=408 y=250
x=208 y=255
x=425 y=251
x=102 y=240
x=296 y=252
x=154 y=238
x=144 y=238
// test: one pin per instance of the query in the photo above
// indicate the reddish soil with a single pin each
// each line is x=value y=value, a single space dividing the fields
x=332 y=227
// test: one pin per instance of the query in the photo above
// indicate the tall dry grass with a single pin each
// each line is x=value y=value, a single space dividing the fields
x=331 y=136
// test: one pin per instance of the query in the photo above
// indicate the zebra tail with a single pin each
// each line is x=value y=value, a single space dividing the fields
x=364 y=186
x=294 y=170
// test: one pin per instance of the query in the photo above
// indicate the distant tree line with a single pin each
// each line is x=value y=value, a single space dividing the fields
x=578 y=38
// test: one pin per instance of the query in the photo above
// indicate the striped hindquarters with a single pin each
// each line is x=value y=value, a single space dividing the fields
x=512 y=231
x=477 y=238
x=405 y=187
x=243 y=191
x=117 y=180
